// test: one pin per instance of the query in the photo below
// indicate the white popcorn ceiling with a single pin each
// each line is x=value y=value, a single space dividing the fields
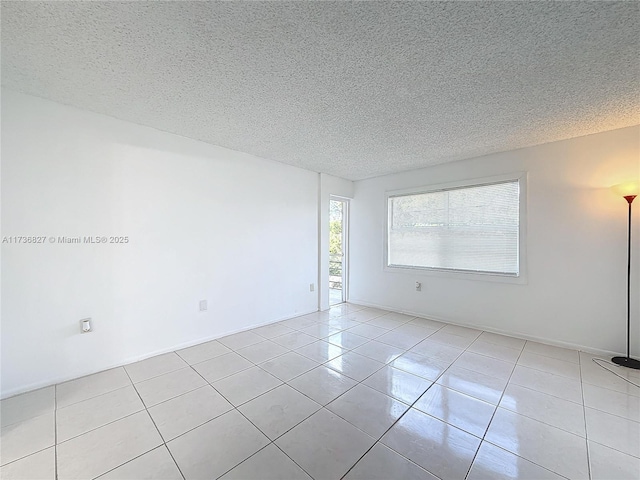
x=352 y=89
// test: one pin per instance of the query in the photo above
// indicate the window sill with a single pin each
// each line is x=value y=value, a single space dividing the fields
x=458 y=274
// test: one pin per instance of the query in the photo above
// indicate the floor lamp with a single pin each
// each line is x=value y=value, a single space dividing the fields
x=629 y=191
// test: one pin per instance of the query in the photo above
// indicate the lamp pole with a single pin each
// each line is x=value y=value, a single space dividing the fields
x=628 y=361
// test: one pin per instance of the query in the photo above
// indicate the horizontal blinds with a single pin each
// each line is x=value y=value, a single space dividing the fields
x=472 y=228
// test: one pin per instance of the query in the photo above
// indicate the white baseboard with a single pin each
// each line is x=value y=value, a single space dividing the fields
x=136 y=358
x=522 y=336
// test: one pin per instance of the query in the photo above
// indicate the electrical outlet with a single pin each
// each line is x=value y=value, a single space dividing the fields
x=312 y=287
x=203 y=305
x=85 y=325
x=418 y=286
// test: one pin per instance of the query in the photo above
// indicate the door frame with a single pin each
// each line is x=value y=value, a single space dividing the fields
x=345 y=244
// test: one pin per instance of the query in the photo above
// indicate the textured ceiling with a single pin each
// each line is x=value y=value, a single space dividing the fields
x=351 y=89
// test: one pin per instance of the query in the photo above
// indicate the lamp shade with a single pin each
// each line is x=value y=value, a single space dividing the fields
x=627 y=189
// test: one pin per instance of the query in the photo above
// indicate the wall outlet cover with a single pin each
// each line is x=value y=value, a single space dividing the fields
x=85 y=325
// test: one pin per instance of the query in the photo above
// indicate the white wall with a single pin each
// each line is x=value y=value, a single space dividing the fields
x=576 y=246
x=203 y=223
x=329 y=185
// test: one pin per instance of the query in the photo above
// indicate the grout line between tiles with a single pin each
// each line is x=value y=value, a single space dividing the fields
x=410 y=406
x=495 y=410
x=491 y=421
x=541 y=421
x=612 y=414
x=290 y=386
x=27 y=456
x=360 y=382
x=146 y=409
x=393 y=424
x=158 y=375
x=254 y=425
x=584 y=416
x=322 y=321
x=128 y=461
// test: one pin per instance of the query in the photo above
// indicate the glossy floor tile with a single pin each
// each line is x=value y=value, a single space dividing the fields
x=549 y=383
x=486 y=365
x=610 y=401
x=181 y=414
x=347 y=340
x=612 y=431
x=319 y=330
x=321 y=351
x=369 y=410
x=502 y=340
x=607 y=463
x=154 y=367
x=545 y=408
x=156 y=464
x=273 y=330
x=95 y=412
x=437 y=351
x=216 y=447
x=461 y=331
x=385 y=322
x=496 y=351
x=451 y=339
x=550 y=447
x=169 y=385
x=594 y=369
x=322 y=384
x=325 y=445
x=353 y=393
x=457 y=409
x=90 y=386
x=438 y=447
x=222 y=366
x=246 y=385
x=294 y=340
x=202 y=352
x=420 y=365
x=367 y=330
x=549 y=365
x=355 y=366
x=558 y=353
x=493 y=462
x=382 y=463
x=24 y=438
x=108 y=447
x=379 y=351
x=28 y=405
x=240 y=340
x=399 y=339
x=474 y=384
x=279 y=410
x=420 y=332
x=263 y=351
x=268 y=464
x=398 y=384
x=426 y=323
x=288 y=366
x=39 y=466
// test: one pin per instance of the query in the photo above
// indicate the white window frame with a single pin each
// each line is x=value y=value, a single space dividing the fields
x=520 y=278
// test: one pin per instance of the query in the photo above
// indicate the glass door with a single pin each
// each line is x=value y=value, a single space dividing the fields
x=338 y=215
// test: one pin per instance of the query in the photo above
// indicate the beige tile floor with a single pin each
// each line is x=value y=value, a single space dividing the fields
x=354 y=393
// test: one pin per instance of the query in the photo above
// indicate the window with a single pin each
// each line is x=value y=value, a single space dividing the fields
x=471 y=228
